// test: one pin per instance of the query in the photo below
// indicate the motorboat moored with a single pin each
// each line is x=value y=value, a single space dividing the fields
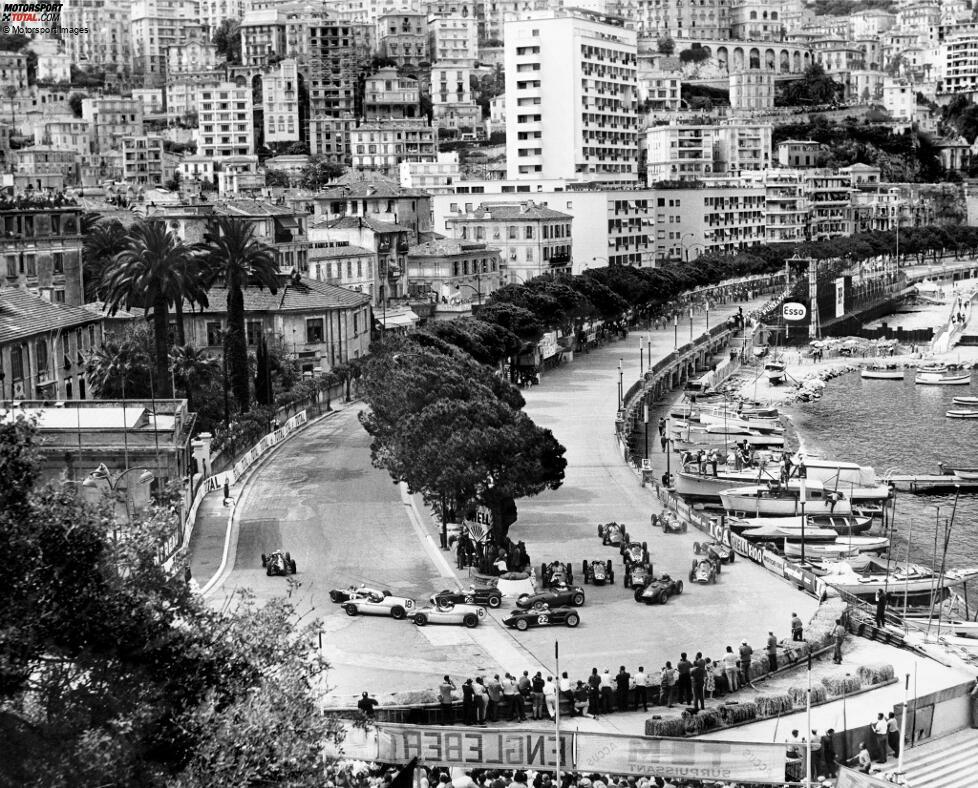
x=962 y=414
x=917 y=584
x=965 y=401
x=927 y=378
x=784 y=500
x=775 y=371
x=842 y=524
x=881 y=373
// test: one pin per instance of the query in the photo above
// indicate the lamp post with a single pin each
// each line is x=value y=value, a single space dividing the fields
x=707 y=315
x=621 y=377
x=683 y=247
x=145 y=477
x=645 y=418
x=691 y=324
x=648 y=344
x=477 y=289
x=675 y=326
x=641 y=356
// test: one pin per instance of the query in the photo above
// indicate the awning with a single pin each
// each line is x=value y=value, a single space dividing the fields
x=399 y=319
x=287 y=221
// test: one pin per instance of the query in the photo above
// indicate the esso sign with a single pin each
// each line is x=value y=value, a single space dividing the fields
x=794 y=311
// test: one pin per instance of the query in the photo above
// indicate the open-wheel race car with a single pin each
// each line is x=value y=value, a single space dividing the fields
x=638 y=575
x=437 y=612
x=375 y=603
x=612 y=533
x=345 y=594
x=715 y=549
x=566 y=596
x=704 y=570
x=658 y=590
x=669 y=522
x=635 y=552
x=278 y=563
x=556 y=574
x=481 y=595
x=542 y=617
x=597 y=573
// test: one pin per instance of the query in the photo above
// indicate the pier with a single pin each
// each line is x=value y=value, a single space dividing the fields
x=928 y=483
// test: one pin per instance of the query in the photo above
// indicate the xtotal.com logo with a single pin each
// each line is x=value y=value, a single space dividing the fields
x=31 y=13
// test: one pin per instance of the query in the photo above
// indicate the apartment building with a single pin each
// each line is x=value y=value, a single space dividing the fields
x=708 y=19
x=755 y=20
x=403 y=37
x=13 y=70
x=344 y=265
x=798 y=153
x=958 y=59
x=44 y=167
x=142 y=160
x=191 y=58
x=214 y=12
x=571 y=92
x=454 y=272
x=785 y=204
x=751 y=91
x=41 y=247
x=387 y=94
x=157 y=25
x=68 y=135
x=280 y=99
x=900 y=98
x=376 y=197
x=112 y=118
x=661 y=91
x=451 y=97
x=263 y=36
x=434 y=177
x=108 y=42
x=828 y=194
x=532 y=239
x=453 y=38
x=682 y=153
x=382 y=145
x=224 y=118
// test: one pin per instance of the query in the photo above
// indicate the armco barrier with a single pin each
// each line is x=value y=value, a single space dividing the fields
x=216 y=482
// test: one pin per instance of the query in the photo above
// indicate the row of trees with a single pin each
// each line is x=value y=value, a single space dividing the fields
x=113 y=672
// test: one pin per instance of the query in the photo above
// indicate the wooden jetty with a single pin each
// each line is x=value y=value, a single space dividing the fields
x=931 y=483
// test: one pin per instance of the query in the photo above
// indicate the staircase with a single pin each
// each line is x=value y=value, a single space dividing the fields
x=948 y=762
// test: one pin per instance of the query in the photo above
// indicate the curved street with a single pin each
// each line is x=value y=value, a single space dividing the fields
x=345 y=522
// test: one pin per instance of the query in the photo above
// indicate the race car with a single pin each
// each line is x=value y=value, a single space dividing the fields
x=721 y=551
x=278 y=563
x=598 y=572
x=669 y=523
x=566 y=596
x=612 y=533
x=542 y=617
x=659 y=589
x=440 y=613
x=345 y=594
x=704 y=570
x=373 y=603
x=492 y=597
x=635 y=552
x=637 y=575
x=556 y=574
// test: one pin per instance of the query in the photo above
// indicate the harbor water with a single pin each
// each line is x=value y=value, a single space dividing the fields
x=901 y=427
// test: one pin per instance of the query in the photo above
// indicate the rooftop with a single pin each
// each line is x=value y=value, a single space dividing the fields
x=330 y=252
x=360 y=222
x=24 y=315
x=294 y=295
x=355 y=183
x=519 y=210
x=448 y=247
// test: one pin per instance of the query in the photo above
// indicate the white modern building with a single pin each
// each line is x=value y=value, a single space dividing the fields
x=571 y=93
x=224 y=120
x=280 y=98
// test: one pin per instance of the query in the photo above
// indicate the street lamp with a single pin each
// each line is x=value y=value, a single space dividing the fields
x=641 y=356
x=477 y=288
x=645 y=418
x=621 y=377
x=144 y=478
x=682 y=244
x=691 y=324
x=675 y=325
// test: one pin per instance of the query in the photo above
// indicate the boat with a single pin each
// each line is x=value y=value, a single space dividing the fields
x=843 y=546
x=965 y=401
x=881 y=373
x=917 y=584
x=827 y=550
x=939 y=366
x=962 y=414
x=774 y=371
x=780 y=534
x=780 y=500
x=942 y=379
x=965 y=629
x=842 y=524
x=689 y=435
x=734 y=420
x=759 y=351
x=693 y=484
x=969 y=474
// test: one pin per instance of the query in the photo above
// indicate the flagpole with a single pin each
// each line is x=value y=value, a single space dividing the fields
x=903 y=723
x=808 y=722
x=557 y=707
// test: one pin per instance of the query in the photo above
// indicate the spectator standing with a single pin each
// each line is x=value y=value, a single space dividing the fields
x=746 y=652
x=513 y=699
x=879 y=731
x=366 y=704
x=839 y=633
x=494 y=692
x=668 y=685
x=536 y=686
x=550 y=697
x=893 y=734
x=566 y=688
x=880 y=607
x=730 y=663
x=468 y=702
x=684 y=682
x=581 y=700
x=816 y=762
x=524 y=685
x=772 y=652
x=710 y=684
x=698 y=675
x=641 y=682
x=621 y=688
x=481 y=700
x=828 y=752
x=594 y=692
x=445 y=699
x=607 y=692
x=796 y=628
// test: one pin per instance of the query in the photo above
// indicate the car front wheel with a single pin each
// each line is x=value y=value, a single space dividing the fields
x=663 y=597
x=397 y=612
x=495 y=601
x=470 y=620
x=679 y=587
x=351 y=610
x=420 y=619
x=573 y=620
x=521 y=624
x=578 y=599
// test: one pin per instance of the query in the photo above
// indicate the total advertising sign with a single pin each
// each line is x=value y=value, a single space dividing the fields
x=479 y=748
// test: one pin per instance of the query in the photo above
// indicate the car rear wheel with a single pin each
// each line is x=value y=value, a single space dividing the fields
x=351 y=610
x=692 y=576
x=638 y=594
x=420 y=619
x=397 y=612
x=584 y=570
x=264 y=560
x=696 y=548
x=268 y=570
x=600 y=530
x=521 y=624
x=663 y=597
x=496 y=600
x=292 y=566
x=679 y=588
x=471 y=620
x=578 y=599
x=334 y=596
x=573 y=620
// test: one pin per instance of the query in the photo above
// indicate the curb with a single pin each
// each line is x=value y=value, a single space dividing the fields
x=232 y=520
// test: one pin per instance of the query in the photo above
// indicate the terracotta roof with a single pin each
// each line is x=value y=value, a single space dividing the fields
x=24 y=315
x=306 y=295
x=330 y=252
x=356 y=222
x=251 y=208
x=354 y=183
x=450 y=247
x=507 y=211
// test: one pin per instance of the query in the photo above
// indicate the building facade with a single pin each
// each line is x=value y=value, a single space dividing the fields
x=224 y=117
x=453 y=272
x=280 y=100
x=383 y=145
x=142 y=160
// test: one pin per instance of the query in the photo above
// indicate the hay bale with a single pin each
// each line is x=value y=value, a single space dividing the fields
x=731 y=713
x=798 y=695
x=698 y=722
x=772 y=705
x=870 y=675
x=841 y=685
x=670 y=727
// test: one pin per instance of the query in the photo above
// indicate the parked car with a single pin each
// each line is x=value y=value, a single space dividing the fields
x=440 y=613
x=542 y=617
x=658 y=590
x=278 y=563
x=612 y=533
x=567 y=596
x=483 y=595
x=597 y=573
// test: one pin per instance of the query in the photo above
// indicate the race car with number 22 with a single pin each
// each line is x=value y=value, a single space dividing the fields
x=542 y=617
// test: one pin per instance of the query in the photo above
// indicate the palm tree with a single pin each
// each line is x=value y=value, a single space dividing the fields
x=103 y=241
x=193 y=368
x=149 y=273
x=232 y=254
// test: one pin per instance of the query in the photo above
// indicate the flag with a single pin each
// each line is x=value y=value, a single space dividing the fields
x=405 y=777
x=849 y=778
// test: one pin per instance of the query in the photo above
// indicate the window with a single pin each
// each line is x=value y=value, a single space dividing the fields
x=356 y=323
x=529 y=232
x=514 y=233
x=17 y=363
x=58 y=259
x=253 y=331
x=314 y=330
x=214 y=334
x=42 y=358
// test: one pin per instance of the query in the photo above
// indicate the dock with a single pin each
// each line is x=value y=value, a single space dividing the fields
x=927 y=483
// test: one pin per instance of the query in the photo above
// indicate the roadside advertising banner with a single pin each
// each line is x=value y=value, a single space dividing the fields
x=840 y=296
x=471 y=748
x=853 y=779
